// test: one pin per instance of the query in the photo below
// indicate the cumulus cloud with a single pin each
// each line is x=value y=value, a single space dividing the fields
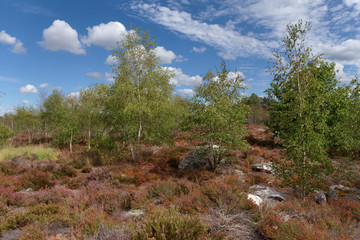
x=109 y=77
x=48 y=87
x=17 y=45
x=198 y=50
x=182 y=79
x=111 y=60
x=6 y=38
x=73 y=95
x=60 y=36
x=166 y=56
x=187 y=92
x=95 y=75
x=28 y=89
x=104 y=35
x=230 y=43
x=25 y=102
x=341 y=75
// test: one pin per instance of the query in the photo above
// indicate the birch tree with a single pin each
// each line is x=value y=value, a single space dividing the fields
x=299 y=115
x=218 y=113
x=139 y=102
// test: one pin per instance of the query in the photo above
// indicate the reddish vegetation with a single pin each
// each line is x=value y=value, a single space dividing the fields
x=152 y=199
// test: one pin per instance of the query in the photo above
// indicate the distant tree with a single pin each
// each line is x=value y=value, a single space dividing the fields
x=5 y=133
x=139 y=105
x=26 y=120
x=62 y=117
x=299 y=115
x=91 y=104
x=218 y=114
x=345 y=128
x=259 y=109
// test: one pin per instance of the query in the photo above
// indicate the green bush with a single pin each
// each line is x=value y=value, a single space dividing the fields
x=169 y=224
x=5 y=133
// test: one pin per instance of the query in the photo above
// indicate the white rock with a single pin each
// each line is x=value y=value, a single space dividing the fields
x=256 y=199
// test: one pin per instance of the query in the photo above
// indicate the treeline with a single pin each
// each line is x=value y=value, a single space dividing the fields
x=307 y=108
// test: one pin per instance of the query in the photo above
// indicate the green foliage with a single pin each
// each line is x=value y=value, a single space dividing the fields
x=345 y=122
x=91 y=105
x=259 y=108
x=61 y=116
x=26 y=120
x=217 y=114
x=5 y=133
x=139 y=105
x=169 y=224
x=299 y=116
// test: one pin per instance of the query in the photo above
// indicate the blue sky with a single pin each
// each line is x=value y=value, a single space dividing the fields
x=65 y=45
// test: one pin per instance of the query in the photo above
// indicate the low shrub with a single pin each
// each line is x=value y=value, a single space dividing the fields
x=37 y=179
x=87 y=221
x=226 y=196
x=10 y=197
x=49 y=196
x=307 y=220
x=169 y=224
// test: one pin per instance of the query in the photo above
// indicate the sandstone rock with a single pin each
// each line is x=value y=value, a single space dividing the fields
x=256 y=199
x=320 y=197
x=267 y=194
x=340 y=190
x=263 y=167
x=195 y=160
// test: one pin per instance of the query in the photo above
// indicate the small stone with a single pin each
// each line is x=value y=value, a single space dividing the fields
x=320 y=197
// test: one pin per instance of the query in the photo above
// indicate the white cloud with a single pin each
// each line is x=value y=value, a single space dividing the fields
x=341 y=75
x=73 y=95
x=6 y=38
x=18 y=46
x=105 y=35
x=60 y=36
x=198 y=50
x=182 y=79
x=230 y=43
x=6 y=110
x=8 y=79
x=111 y=60
x=95 y=75
x=48 y=87
x=25 y=102
x=109 y=77
x=187 y=92
x=166 y=56
x=353 y=3
x=347 y=51
x=28 y=89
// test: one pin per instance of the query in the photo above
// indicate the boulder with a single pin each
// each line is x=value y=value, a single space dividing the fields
x=267 y=194
x=320 y=197
x=195 y=160
x=339 y=190
x=256 y=199
x=263 y=167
